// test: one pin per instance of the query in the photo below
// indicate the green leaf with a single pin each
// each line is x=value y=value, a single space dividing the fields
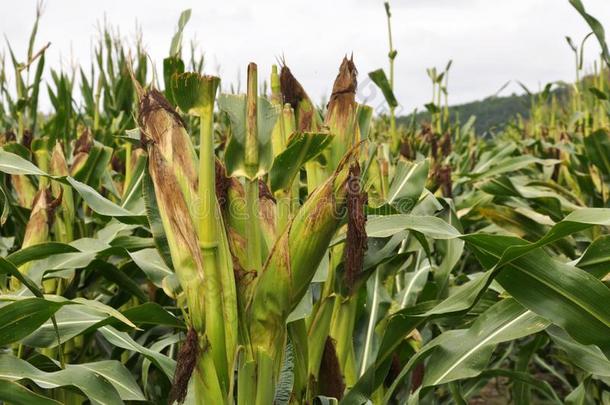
x=193 y=92
x=76 y=317
x=5 y=206
x=17 y=394
x=596 y=27
x=117 y=375
x=151 y=263
x=267 y=113
x=171 y=66
x=96 y=388
x=102 y=205
x=118 y=276
x=156 y=228
x=588 y=357
x=132 y=196
x=598 y=93
x=9 y=268
x=96 y=165
x=539 y=385
x=303 y=308
x=577 y=221
x=565 y=295
x=398 y=326
x=460 y=354
x=365 y=117
x=106 y=309
x=123 y=340
x=72 y=320
x=176 y=45
x=597 y=147
x=579 y=395
x=432 y=108
x=151 y=313
x=510 y=164
x=14 y=164
x=433 y=227
x=408 y=184
x=157 y=347
x=20 y=318
x=596 y=259
x=521 y=391
x=39 y=251
x=380 y=79
x=301 y=148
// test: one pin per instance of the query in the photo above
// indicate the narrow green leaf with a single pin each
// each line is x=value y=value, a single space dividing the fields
x=587 y=357
x=123 y=340
x=301 y=148
x=408 y=184
x=20 y=318
x=596 y=27
x=14 y=164
x=95 y=387
x=381 y=80
x=17 y=394
x=117 y=375
x=267 y=114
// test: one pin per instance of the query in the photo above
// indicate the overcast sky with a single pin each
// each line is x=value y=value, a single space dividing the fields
x=490 y=41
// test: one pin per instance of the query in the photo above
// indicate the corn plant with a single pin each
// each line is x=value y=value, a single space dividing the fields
x=188 y=244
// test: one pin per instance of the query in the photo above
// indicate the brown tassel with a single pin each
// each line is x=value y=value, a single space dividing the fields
x=355 y=244
x=222 y=184
x=292 y=91
x=264 y=192
x=187 y=360
x=330 y=382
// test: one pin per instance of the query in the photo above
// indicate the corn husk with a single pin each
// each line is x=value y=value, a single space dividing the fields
x=207 y=281
x=38 y=227
x=294 y=259
x=63 y=226
x=80 y=153
x=341 y=117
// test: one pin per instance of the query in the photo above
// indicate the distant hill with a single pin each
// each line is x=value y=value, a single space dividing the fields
x=492 y=113
x=495 y=112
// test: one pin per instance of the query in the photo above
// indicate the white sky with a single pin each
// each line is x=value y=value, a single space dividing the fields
x=490 y=41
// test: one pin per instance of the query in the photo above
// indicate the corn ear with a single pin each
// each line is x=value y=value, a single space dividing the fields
x=307 y=119
x=58 y=166
x=39 y=223
x=24 y=188
x=80 y=153
x=342 y=114
x=294 y=259
x=40 y=149
x=278 y=136
x=205 y=272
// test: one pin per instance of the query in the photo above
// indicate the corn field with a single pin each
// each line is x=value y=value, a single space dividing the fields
x=166 y=239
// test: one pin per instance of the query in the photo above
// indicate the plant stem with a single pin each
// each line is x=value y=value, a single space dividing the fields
x=251 y=153
x=253 y=232
x=207 y=203
x=214 y=315
x=391 y=57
